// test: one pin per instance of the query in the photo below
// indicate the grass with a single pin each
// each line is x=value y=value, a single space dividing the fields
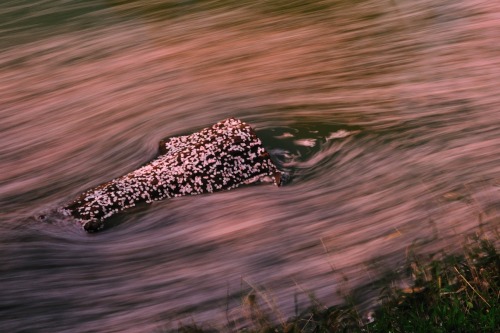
x=456 y=293
x=459 y=293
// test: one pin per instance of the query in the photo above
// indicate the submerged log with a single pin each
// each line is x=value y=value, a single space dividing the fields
x=220 y=157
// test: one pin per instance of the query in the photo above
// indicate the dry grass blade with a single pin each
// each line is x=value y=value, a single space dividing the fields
x=463 y=278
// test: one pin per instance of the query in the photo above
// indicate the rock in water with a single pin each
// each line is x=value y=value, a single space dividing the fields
x=216 y=158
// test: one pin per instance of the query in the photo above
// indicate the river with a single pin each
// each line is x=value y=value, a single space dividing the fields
x=386 y=115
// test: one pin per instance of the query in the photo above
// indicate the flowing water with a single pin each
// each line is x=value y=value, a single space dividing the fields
x=386 y=114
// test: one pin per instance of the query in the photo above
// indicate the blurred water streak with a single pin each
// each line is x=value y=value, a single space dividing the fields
x=386 y=114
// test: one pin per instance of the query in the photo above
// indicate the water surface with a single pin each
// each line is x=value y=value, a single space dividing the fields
x=386 y=114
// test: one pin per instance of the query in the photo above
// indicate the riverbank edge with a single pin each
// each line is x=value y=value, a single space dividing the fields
x=450 y=293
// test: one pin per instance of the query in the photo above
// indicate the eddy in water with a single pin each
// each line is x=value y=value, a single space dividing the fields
x=220 y=157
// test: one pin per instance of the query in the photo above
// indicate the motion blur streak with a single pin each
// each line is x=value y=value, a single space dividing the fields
x=385 y=113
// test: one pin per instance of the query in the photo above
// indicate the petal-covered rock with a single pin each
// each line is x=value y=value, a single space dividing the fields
x=220 y=157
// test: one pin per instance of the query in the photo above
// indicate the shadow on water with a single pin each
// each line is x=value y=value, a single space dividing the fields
x=297 y=147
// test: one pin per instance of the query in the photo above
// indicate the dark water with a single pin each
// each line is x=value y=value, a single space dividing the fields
x=386 y=113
